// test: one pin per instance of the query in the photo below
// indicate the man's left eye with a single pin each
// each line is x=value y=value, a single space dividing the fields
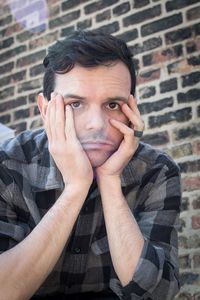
x=113 y=105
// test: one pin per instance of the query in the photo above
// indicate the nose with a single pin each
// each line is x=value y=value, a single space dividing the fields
x=96 y=120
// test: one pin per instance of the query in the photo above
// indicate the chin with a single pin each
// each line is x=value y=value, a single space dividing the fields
x=97 y=159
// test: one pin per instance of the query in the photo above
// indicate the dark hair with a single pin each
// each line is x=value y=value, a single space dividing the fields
x=88 y=49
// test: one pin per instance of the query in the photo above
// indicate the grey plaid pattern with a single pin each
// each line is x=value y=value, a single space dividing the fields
x=30 y=183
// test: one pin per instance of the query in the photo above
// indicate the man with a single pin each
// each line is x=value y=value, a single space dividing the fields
x=86 y=210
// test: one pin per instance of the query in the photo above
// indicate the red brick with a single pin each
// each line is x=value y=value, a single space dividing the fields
x=191 y=183
x=196 y=147
x=196 y=203
x=148 y=76
x=196 y=222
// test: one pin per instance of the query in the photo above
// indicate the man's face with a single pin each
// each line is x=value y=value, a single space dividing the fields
x=96 y=95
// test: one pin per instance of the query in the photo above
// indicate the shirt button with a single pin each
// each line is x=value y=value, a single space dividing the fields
x=77 y=250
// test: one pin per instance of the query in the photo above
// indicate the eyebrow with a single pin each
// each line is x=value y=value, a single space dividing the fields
x=77 y=97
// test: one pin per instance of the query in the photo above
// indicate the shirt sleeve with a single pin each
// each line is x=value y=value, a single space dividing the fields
x=157 y=272
x=12 y=229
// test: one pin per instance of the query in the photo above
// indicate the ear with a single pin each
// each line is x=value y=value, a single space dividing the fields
x=42 y=105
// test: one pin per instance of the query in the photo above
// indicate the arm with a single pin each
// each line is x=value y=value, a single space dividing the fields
x=145 y=261
x=40 y=250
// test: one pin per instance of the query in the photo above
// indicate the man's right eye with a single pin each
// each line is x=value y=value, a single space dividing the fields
x=75 y=105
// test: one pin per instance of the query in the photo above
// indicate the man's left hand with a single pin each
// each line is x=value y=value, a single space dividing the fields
x=115 y=164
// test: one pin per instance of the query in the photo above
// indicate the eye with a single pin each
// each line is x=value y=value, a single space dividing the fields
x=113 y=105
x=75 y=105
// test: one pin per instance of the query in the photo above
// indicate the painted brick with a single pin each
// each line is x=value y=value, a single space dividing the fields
x=64 y=20
x=142 y=16
x=162 y=24
x=181 y=150
x=37 y=70
x=184 y=204
x=149 y=107
x=98 y=5
x=180 y=115
x=5 y=119
x=128 y=35
x=110 y=28
x=147 y=45
x=29 y=85
x=178 y=4
x=72 y=4
x=178 y=35
x=5 y=21
x=184 y=296
x=66 y=31
x=6 y=43
x=189 y=96
x=147 y=92
x=106 y=15
x=13 y=52
x=7 y=92
x=191 y=79
x=140 y=3
x=194 y=60
x=121 y=9
x=162 y=55
x=196 y=262
x=193 y=13
x=11 y=79
x=31 y=58
x=168 y=85
x=11 y=104
x=6 y=68
x=185 y=261
x=21 y=114
x=43 y=41
x=196 y=202
x=189 y=242
x=192 y=130
x=156 y=139
x=190 y=166
x=189 y=278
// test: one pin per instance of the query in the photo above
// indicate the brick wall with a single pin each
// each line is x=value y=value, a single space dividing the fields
x=165 y=39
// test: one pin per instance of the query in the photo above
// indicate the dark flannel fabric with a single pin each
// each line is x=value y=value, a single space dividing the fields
x=30 y=183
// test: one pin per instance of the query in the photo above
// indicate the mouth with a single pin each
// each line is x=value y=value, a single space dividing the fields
x=97 y=145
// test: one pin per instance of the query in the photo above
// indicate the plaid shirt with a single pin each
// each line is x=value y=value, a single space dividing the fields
x=30 y=183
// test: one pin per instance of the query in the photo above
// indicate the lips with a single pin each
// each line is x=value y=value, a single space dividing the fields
x=91 y=145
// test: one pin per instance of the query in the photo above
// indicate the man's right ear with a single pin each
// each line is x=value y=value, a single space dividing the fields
x=42 y=105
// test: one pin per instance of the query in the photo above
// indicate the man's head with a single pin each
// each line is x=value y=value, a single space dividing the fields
x=95 y=75
x=87 y=49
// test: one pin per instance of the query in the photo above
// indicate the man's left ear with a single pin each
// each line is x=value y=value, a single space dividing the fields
x=42 y=105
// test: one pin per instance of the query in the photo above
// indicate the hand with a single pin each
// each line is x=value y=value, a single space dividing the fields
x=64 y=146
x=116 y=162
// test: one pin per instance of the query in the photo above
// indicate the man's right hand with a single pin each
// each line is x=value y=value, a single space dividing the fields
x=64 y=146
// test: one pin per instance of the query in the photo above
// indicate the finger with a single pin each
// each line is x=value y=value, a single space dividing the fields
x=125 y=130
x=59 y=118
x=47 y=124
x=52 y=117
x=69 y=123
x=132 y=102
x=135 y=119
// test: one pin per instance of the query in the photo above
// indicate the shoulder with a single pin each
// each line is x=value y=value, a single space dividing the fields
x=152 y=157
x=24 y=147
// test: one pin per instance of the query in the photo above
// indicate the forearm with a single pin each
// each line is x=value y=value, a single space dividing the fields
x=26 y=266
x=124 y=236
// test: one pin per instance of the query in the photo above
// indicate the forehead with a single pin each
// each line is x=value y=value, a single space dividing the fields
x=95 y=81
